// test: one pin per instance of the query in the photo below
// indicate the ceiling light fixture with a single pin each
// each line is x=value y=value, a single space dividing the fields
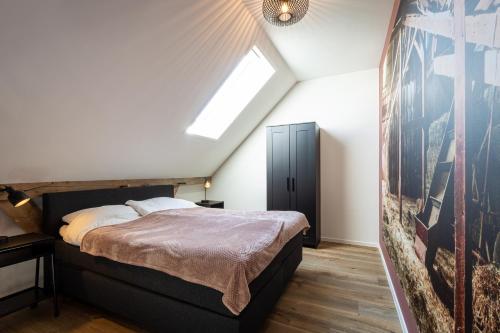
x=284 y=12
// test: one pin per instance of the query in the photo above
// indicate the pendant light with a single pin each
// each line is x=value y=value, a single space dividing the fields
x=284 y=12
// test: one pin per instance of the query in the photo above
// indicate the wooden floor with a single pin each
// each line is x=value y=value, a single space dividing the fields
x=337 y=288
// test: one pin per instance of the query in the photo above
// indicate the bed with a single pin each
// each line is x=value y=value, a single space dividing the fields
x=152 y=299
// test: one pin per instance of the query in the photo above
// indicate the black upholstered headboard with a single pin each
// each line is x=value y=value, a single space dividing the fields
x=56 y=205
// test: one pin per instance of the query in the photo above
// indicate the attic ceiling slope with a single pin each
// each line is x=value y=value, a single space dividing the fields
x=335 y=36
x=106 y=89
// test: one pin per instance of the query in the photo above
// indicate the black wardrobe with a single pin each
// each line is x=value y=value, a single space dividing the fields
x=293 y=173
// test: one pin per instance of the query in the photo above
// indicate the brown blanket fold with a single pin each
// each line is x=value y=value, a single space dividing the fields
x=221 y=249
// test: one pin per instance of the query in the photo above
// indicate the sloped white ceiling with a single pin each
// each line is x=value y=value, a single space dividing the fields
x=105 y=89
x=335 y=36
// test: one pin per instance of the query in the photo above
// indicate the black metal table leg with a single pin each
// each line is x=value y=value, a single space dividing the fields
x=54 y=290
x=37 y=278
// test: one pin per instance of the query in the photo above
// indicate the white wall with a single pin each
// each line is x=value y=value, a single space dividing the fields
x=20 y=276
x=191 y=192
x=105 y=89
x=335 y=37
x=346 y=109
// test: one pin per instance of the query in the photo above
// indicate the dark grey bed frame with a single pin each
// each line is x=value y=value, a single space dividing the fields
x=142 y=305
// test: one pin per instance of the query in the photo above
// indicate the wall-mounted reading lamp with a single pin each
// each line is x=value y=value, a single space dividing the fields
x=16 y=199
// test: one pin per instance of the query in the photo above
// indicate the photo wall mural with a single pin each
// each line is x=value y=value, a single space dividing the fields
x=426 y=171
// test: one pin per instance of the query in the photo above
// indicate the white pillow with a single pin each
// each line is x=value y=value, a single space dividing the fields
x=85 y=220
x=149 y=206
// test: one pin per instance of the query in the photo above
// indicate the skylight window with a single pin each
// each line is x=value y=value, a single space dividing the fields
x=246 y=80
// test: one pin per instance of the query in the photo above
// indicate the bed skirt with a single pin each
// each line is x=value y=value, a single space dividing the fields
x=159 y=313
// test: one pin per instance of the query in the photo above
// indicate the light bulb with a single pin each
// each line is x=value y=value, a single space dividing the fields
x=285 y=12
x=284 y=7
x=283 y=17
x=20 y=203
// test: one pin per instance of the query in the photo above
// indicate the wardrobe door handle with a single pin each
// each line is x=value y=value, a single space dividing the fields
x=288 y=184
x=293 y=184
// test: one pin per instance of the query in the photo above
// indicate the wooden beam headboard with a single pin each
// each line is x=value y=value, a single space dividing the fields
x=29 y=217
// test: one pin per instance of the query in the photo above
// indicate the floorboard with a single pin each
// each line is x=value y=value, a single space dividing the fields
x=337 y=288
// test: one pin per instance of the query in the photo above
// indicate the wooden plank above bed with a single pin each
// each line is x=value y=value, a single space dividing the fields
x=29 y=216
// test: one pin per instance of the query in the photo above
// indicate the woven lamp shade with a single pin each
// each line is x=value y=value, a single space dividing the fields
x=284 y=12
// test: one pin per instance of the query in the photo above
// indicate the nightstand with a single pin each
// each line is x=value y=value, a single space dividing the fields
x=23 y=248
x=211 y=204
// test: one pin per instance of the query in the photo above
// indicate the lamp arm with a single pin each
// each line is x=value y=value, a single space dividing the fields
x=6 y=188
x=34 y=188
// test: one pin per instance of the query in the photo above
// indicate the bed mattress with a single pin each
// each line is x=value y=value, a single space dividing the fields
x=161 y=283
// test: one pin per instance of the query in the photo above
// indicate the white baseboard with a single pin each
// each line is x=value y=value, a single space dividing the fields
x=393 y=292
x=347 y=241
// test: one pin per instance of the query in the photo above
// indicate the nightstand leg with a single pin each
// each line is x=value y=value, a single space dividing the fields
x=37 y=278
x=54 y=290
